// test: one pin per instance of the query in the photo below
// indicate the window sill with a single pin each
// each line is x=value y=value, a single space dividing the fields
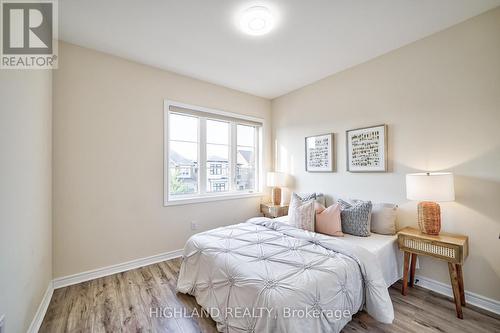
x=195 y=200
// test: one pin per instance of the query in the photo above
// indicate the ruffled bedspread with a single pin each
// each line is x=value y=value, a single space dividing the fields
x=267 y=276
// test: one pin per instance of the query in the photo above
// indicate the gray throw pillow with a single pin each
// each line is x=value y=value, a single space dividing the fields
x=356 y=217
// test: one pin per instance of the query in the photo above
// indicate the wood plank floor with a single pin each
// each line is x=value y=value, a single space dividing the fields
x=122 y=302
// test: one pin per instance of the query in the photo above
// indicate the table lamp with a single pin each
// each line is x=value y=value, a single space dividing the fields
x=429 y=188
x=276 y=180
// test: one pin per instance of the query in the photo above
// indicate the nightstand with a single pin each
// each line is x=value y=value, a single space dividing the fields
x=448 y=247
x=272 y=211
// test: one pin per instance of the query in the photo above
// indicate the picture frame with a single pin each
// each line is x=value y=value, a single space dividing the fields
x=366 y=149
x=319 y=153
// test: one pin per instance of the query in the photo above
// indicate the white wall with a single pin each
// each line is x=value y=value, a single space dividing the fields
x=440 y=97
x=108 y=160
x=25 y=193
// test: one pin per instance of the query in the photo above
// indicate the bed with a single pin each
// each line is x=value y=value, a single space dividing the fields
x=384 y=247
x=267 y=276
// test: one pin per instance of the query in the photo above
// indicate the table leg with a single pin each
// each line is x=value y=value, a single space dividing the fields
x=412 y=268
x=456 y=291
x=405 y=273
x=460 y=278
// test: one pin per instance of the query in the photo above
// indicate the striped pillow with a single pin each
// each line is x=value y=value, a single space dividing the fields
x=301 y=213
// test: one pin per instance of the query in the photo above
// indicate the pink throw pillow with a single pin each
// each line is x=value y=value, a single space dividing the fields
x=328 y=220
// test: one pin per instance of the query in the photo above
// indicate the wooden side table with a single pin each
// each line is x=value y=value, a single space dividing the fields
x=448 y=247
x=272 y=211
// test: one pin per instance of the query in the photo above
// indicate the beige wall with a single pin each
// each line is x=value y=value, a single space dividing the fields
x=25 y=194
x=440 y=97
x=108 y=160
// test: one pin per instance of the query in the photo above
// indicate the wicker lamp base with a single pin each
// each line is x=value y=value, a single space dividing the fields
x=429 y=217
x=276 y=196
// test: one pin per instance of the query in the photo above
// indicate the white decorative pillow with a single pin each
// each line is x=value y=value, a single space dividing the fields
x=384 y=218
x=301 y=213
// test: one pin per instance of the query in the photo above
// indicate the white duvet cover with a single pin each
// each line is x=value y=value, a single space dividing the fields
x=267 y=276
x=385 y=248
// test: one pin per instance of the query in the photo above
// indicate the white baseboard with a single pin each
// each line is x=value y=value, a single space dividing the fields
x=42 y=309
x=90 y=275
x=480 y=301
x=113 y=269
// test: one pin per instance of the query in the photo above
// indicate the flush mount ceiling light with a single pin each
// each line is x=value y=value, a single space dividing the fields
x=256 y=20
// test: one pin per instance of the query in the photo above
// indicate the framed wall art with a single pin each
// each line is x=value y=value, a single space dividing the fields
x=367 y=149
x=319 y=153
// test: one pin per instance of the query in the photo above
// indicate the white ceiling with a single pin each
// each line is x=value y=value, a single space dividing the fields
x=313 y=38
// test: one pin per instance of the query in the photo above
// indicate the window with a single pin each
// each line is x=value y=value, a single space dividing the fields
x=183 y=155
x=210 y=154
x=218 y=148
x=245 y=160
x=215 y=169
x=218 y=187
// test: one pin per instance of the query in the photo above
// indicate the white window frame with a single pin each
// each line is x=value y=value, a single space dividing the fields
x=203 y=195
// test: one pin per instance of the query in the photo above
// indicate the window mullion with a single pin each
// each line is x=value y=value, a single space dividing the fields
x=166 y=158
x=256 y=160
x=202 y=155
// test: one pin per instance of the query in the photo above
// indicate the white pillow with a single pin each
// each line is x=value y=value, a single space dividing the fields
x=301 y=213
x=384 y=218
x=282 y=219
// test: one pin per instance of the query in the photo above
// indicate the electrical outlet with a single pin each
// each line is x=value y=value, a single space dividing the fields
x=2 y=323
x=194 y=225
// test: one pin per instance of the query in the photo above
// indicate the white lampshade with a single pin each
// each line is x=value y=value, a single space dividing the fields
x=277 y=179
x=438 y=186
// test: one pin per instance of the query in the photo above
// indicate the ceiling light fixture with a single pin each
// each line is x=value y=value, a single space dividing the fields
x=256 y=20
